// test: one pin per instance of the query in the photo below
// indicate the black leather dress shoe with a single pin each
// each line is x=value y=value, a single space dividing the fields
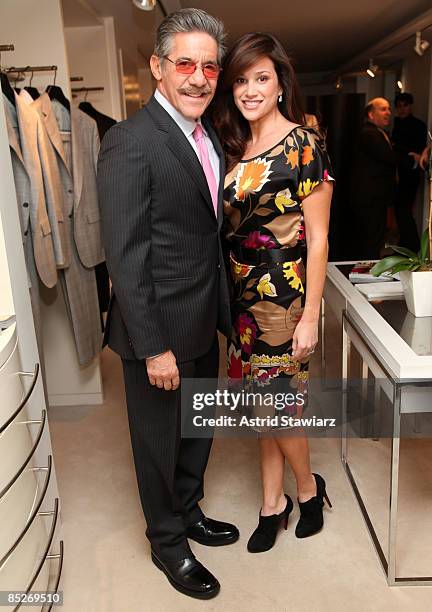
x=189 y=577
x=213 y=533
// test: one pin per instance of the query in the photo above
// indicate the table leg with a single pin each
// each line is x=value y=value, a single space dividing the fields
x=364 y=400
x=376 y=411
x=346 y=356
x=394 y=487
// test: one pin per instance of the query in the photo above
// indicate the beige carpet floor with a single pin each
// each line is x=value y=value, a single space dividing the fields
x=107 y=556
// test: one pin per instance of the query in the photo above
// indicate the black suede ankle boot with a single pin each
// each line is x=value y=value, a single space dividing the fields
x=311 y=514
x=264 y=536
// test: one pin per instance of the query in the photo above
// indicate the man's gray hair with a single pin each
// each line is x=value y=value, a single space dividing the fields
x=189 y=20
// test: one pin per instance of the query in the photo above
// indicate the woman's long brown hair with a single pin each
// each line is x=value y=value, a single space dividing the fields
x=232 y=128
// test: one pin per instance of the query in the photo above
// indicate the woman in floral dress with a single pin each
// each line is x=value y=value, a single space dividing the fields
x=277 y=203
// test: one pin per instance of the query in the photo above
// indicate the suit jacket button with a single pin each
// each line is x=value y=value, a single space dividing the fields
x=71 y=215
x=25 y=204
x=25 y=233
x=70 y=191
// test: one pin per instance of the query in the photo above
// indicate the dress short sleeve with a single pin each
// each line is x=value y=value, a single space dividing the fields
x=314 y=162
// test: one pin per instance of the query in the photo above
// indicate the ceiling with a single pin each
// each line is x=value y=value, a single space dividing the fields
x=76 y=14
x=320 y=36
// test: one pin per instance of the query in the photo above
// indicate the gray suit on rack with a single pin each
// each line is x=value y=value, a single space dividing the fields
x=23 y=126
x=54 y=195
x=74 y=141
x=78 y=181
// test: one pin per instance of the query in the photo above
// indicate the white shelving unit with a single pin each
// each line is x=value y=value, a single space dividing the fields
x=31 y=552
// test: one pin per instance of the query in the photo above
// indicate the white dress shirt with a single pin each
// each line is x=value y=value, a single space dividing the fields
x=187 y=126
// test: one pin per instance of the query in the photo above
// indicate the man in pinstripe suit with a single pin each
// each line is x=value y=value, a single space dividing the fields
x=161 y=201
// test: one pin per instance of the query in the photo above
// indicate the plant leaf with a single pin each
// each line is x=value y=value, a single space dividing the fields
x=424 y=245
x=404 y=265
x=388 y=263
x=404 y=251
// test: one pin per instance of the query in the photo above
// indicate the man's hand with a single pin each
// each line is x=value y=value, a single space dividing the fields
x=424 y=158
x=163 y=372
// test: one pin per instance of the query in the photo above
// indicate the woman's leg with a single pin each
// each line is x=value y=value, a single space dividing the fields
x=272 y=473
x=296 y=450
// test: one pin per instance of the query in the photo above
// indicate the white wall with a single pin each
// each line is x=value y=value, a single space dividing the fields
x=416 y=80
x=383 y=85
x=33 y=27
x=90 y=56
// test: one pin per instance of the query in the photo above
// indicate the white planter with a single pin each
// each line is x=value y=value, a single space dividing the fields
x=417 y=287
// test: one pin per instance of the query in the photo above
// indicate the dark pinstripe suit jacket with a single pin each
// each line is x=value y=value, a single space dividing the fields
x=162 y=240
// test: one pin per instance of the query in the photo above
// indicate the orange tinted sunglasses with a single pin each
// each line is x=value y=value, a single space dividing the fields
x=210 y=70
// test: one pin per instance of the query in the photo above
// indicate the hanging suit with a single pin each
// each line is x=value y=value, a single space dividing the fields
x=104 y=123
x=23 y=126
x=24 y=133
x=54 y=197
x=79 y=181
x=76 y=144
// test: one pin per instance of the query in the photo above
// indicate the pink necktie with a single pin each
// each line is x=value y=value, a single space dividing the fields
x=198 y=135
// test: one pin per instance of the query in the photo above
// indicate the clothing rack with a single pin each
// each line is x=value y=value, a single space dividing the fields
x=30 y=69
x=82 y=89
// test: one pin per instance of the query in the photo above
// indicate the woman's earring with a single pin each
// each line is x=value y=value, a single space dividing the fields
x=280 y=98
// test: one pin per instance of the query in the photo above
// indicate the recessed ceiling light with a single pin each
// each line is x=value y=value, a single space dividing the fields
x=420 y=45
x=145 y=5
x=372 y=69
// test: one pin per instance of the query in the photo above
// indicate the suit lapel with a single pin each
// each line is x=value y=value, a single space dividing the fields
x=11 y=122
x=44 y=107
x=27 y=121
x=180 y=147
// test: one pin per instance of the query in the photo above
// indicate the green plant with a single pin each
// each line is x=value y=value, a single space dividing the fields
x=406 y=259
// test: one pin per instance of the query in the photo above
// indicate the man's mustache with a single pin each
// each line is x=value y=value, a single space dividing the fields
x=195 y=91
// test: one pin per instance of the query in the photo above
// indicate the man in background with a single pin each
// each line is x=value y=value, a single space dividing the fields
x=373 y=180
x=409 y=140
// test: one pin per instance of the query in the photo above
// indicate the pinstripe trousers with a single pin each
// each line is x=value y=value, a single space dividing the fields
x=169 y=469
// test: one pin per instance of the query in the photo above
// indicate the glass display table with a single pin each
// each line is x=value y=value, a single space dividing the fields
x=395 y=350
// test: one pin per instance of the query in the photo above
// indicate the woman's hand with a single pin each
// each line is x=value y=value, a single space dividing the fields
x=305 y=339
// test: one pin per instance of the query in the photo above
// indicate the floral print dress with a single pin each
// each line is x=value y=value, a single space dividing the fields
x=263 y=207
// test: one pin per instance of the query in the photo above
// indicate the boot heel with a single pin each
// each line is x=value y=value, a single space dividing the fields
x=286 y=522
x=311 y=512
x=327 y=499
